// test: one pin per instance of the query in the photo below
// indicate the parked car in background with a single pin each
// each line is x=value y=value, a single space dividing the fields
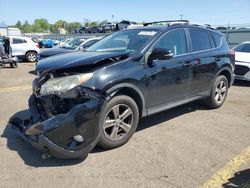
x=61 y=43
x=242 y=61
x=92 y=30
x=98 y=97
x=24 y=48
x=75 y=44
x=47 y=43
x=108 y=27
x=124 y=24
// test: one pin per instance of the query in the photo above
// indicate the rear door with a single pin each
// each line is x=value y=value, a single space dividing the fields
x=18 y=46
x=204 y=63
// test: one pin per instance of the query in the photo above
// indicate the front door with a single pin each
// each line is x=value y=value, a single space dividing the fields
x=168 y=80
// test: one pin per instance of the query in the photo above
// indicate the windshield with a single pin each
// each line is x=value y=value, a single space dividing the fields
x=243 y=48
x=126 y=40
x=74 y=43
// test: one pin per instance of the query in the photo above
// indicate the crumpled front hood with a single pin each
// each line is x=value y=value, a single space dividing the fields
x=53 y=51
x=75 y=59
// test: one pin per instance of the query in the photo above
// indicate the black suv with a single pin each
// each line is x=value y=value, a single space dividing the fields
x=98 y=96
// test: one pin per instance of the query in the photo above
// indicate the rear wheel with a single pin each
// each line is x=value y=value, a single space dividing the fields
x=218 y=93
x=31 y=56
x=118 y=121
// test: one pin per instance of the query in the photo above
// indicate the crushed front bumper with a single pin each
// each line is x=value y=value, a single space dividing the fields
x=55 y=135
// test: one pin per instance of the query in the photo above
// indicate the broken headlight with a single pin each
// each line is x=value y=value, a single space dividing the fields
x=63 y=84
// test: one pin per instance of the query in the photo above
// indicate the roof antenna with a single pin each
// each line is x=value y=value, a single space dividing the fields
x=181 y=15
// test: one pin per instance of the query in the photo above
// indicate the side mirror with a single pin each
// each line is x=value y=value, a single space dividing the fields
x=160 y=54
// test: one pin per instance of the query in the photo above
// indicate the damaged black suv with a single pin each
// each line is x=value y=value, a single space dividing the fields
x=95 y=97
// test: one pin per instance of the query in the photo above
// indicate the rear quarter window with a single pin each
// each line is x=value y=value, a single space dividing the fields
x=200 y=40
x=217 y=39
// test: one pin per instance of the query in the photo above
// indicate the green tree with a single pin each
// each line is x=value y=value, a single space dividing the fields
x=59 y=24
x=19 y=25
x=103 y=22
x=41 y=25
x=73 y=25
x=92 y=24
x=27 y=28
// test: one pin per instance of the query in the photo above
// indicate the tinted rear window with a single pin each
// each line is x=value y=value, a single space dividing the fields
x=18 y=41
x=200 y=40
x=217 y=39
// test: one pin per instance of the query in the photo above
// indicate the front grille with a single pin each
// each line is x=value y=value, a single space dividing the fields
x=241 y=70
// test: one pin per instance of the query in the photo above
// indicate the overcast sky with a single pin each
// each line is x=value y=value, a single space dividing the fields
x=215 y=12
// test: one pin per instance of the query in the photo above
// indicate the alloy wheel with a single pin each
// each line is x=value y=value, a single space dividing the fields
x=32 y=57
x=118 y=122
x=220 y=91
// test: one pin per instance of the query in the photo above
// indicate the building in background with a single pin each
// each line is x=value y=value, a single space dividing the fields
x=9 y=31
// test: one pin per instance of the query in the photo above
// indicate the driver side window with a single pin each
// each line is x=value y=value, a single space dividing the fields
x=174 y=41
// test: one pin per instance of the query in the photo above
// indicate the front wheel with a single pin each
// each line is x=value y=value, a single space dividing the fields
x=13 y=65
x=218 y=93
x=118 y=121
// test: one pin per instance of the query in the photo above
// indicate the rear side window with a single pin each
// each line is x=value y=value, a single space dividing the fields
x=217 y=39
x=18 y=41
x=200 y=40
x=174 y=41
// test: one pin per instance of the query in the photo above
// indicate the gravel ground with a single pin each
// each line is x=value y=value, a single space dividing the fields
x=181 y=147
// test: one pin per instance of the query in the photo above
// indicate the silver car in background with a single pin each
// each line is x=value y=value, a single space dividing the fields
x=24 y=48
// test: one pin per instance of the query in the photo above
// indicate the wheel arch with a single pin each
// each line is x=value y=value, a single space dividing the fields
x=227 y=73
x=31 y=51
x=132 y=91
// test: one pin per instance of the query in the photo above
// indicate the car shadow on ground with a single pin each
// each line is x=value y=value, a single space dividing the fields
x=32 y=72
x=166 y=115
x=33 y=157
x=241 y=179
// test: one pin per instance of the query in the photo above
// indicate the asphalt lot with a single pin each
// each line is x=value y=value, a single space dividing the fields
x=181 y=147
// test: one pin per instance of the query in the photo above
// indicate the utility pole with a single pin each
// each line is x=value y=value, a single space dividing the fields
x=181 y=15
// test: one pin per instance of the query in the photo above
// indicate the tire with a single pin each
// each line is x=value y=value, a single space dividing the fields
x=13 y=65
x=218 y=93
x=121 y=115
x=31 y=56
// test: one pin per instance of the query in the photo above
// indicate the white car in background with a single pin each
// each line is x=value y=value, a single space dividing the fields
x=76 y=44
x=242 y=61
x=24 y=48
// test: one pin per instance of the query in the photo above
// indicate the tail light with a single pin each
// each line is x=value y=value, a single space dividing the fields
x=37 y=45
x=232 y=52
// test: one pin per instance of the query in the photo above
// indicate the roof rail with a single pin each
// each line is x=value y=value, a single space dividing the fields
x=167 y=22
x=202 y=25
x=176 y=22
